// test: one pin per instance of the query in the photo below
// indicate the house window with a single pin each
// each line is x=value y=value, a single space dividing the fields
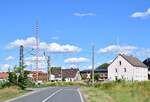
x=116 y=78
x=120 y=63
x=125 y=70
x=116 y=70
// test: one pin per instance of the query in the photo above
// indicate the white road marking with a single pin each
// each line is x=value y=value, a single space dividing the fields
x=81 y=97
x=52 y=95
x=27 y=94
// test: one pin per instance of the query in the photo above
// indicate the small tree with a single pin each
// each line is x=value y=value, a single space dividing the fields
x=20 y=80
x=96 y=76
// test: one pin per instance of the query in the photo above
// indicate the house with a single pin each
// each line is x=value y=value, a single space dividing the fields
x=86 y=74
x=4 y=75
x=102 y=72
x=42 y=76
x=71 y=75
x=68 y=75
x=127 y=68
x=147 y=63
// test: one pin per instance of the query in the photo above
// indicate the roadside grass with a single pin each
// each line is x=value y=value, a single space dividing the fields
x=10 y=92
x=118 y=92
x=48 y=84
x=92 y=94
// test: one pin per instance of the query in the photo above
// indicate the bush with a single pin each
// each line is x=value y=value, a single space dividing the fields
x=4 y=83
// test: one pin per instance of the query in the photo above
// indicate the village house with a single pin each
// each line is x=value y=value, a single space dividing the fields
x=127 y=68
x=42 y=76
x=147 y=63
x=102 y=72
x=3 y=75
x=68 y=75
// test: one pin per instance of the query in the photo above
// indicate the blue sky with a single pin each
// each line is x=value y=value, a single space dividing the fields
x=112 y=25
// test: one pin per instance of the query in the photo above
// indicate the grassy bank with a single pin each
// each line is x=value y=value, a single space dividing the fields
x=11 y=92
x=118 y=92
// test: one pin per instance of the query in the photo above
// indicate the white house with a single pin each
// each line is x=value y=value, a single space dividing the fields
x=127 y=68
x=68 y=75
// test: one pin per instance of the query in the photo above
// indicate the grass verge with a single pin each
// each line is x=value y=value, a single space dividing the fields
x=10 y=92
x=118 y=92
x=92 y=94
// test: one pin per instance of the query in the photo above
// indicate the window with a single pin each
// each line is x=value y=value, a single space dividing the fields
x=120 y=63
x=125 y=70
x=116 y=70
x=116 y=78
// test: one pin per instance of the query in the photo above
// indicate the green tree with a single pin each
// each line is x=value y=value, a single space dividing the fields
x=105 y=65
x=22 y=79
x=96 y=76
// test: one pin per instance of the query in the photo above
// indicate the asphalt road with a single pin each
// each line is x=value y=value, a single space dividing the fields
x=53 y=94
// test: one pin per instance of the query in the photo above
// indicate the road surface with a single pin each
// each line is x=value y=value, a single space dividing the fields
x=53 y=94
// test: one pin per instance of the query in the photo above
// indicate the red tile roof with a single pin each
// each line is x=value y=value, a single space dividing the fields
x=3 y=75
x=66 y=73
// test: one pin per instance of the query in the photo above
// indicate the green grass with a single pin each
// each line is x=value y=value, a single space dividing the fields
x=92 y=94
x=118 y=92
x=11 y=92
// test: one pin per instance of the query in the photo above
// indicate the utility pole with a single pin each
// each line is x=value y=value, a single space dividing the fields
x=21 y=56
x=37 y=50
x=61 y=72
x=93 y=63
x=49 y=68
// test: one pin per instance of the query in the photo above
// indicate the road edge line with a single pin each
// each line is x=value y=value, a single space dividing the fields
x=46 y=99
x=81 y=97
x=25 y=95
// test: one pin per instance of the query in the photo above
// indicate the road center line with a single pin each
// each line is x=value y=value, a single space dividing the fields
x=81 y=97
x=52 y=95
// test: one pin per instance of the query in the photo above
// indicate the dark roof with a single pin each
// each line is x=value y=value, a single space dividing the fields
x=96 y=70
x=69 y=73
x=101 y=70
x=66 y=73
x=147 y=62
x=86 y=71
x=133 y=61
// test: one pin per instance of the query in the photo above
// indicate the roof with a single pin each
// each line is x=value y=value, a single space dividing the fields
x=133 y=61
x=66 y=73
x=147 y=62
x=69 y=73
x=100 y=70
x=3 y=75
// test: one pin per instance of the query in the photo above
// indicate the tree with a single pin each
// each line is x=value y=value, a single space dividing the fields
x=22 y=79
x=105 y=65
x=96 y=76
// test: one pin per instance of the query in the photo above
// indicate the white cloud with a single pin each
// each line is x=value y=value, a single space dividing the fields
x=4 y=67
x=83 y=14
x=141 y=14
x=10 y=58
x=29 y=42
x=144 y=52
x=117 y=49
x=31 y=60
x=76 y=60
x=50 y=47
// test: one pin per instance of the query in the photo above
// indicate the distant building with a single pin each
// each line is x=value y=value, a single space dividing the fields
x=102 y=72
x=127 y=68
x=68 y=75
x=42 y=76
x=4 y=75
x=147 y=63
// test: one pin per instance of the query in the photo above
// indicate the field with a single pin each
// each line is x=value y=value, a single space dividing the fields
x=118 y=92
x=11 y=92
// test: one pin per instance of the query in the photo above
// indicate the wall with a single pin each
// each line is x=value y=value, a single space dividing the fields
x=132 y=73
